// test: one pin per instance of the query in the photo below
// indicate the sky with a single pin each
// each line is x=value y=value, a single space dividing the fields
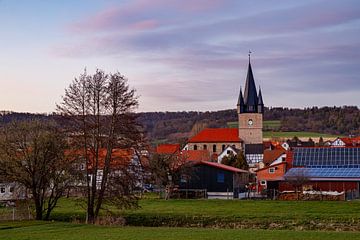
x=182 y=55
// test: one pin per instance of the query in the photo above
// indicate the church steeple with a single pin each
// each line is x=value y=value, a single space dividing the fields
x=260 y=102
x=251 y=101
x=250 y=94
x=250 y=113
x=240 y=103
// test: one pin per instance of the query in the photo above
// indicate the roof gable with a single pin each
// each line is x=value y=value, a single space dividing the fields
x=222 y=166
x=272 y=155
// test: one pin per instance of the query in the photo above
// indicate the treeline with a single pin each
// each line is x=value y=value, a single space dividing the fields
x=175 y=126
x=178 y=125
x=331 y=120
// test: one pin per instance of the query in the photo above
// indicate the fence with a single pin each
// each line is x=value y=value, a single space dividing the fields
x=13 y=212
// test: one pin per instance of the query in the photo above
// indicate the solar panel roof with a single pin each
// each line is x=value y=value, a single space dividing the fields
x=327 y=157
x=324 y=172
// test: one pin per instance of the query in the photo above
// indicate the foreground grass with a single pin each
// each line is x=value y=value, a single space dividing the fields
x=320 y=215
x=55 y=230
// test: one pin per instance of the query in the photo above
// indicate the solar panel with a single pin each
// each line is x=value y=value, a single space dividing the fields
x=324 y=172
x=327 y=157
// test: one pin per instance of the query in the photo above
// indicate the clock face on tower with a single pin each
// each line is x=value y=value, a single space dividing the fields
x=250 y=122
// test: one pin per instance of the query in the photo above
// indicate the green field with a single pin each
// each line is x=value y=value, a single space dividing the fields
x=268 y=125
x=56 y=230
x=271 y=131
x=325 y=215
x=268 y=134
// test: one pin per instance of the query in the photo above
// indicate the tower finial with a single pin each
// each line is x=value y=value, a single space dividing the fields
x=249 y=54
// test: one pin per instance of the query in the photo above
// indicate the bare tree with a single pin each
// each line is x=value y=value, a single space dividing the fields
x=298 y=180
x=98 y=109
x=32 y=154
x=167 y=169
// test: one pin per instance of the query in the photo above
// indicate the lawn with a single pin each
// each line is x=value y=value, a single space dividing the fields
x=312 y=215
x=56 y=230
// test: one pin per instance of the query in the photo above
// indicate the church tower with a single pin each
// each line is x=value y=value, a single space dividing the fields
x=250 y=109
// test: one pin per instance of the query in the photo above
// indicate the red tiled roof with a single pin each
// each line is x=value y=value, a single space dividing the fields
x=351 y=141
x=196 y=155
x=120 y=157
x=168 y=148
x=224 y=167
x=270 y=166
x=217 y=135
x=272 y=155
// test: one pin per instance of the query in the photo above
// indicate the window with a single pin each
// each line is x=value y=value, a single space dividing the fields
x=183 y=179
x=220 y=177
x=214 y=148
x=263 y=182
x=205 y=147
x=2 y=190
x=11 y=189
x=271 y=170
x=195 y=147
x=223 y=147
x=228 y=151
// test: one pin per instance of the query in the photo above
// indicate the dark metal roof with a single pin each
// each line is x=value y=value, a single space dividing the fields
x=254 y=148
x=260 y=100
x=250 y=94
x=240 y=99
x=250 y=101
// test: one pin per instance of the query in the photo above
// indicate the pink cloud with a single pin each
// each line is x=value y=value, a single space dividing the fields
x=144 y=25
x=131 y=16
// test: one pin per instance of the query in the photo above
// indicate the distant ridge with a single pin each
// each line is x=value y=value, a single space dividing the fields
x=178 y=126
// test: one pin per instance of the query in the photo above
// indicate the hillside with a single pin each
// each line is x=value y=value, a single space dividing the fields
x=178 y=126
x=173 y=126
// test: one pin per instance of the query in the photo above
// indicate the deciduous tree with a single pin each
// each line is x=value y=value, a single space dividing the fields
x=32 y=154
x=98 y=109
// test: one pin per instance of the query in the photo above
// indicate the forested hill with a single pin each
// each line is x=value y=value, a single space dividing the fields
x=174 y=126
x=329 y=120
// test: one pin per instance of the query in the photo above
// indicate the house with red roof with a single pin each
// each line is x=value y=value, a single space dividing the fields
x=215 y=140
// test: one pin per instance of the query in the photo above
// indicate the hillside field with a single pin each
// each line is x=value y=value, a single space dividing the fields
x=58 y=230
x=271 y=130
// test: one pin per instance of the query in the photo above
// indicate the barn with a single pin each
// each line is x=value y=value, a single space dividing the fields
x=217 y=180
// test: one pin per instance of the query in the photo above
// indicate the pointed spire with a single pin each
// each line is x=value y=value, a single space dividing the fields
x=260 y=106
x=250 y=94
x=240 y=99
x=260 y=100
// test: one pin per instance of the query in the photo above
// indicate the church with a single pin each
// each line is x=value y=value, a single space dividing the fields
x=248 y=137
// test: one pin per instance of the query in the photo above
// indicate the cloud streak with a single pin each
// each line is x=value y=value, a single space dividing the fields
x=308 y=46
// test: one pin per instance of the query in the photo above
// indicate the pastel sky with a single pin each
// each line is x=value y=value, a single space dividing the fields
x=182 y=54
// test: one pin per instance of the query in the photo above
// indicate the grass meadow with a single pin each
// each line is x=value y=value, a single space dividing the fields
x=256 y=214
x=69 y=231
x=199 y=219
